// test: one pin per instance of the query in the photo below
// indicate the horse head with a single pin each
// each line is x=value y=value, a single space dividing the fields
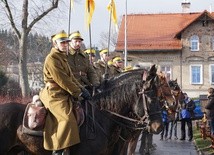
x=176 y=91
x=150 y=94
x=166 y=96
x=133 y=94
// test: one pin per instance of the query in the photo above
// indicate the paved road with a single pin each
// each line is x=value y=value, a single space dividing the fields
x=172 y=147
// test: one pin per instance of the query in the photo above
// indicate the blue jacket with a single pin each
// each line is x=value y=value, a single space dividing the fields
x=164 y=116
x=185 y=113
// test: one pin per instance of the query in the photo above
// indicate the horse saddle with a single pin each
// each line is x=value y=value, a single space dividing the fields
x=34 y=119
x=35 y=114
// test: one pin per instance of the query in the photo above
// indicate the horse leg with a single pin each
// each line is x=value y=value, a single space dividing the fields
x=144 y=146
x=133 y=144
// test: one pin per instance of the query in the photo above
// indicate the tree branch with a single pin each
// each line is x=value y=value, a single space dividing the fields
x=10 y=17
x=53 y=6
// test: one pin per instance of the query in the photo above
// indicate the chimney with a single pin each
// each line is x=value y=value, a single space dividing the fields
x=185 y=6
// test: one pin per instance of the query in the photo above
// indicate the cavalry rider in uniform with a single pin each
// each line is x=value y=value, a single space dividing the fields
x=117 y=65
x=105 y=71
x=61 y=130
x=92 y=57
x=80 y=64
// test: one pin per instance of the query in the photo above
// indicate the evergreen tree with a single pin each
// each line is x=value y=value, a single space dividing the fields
x=3 y=79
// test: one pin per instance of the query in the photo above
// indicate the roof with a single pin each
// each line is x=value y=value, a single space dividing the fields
x=155 y=31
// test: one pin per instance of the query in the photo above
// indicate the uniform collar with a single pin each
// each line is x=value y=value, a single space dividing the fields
x=75 y=52
x=54 y=50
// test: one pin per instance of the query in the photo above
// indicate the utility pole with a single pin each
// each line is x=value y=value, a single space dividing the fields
x=125 y=39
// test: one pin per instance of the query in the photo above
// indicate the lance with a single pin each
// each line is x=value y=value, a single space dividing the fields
x=69 y=22
x=89 y=30
x=109 y=35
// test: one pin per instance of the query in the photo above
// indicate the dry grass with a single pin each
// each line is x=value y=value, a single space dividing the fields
x=201 y=144
x=7 y=99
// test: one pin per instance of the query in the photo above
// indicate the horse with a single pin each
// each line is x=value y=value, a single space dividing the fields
x=120 y=105
x=165 y=98
x=177 y=92
x=174 y=113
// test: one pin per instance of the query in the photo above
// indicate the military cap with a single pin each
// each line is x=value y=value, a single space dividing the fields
x=90 y=52
x=76 y=35
x=104 y=51
x=61 y=37
x=110 y=62
x=117 y=59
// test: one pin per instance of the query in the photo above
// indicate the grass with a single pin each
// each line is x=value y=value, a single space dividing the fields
x=201 y=144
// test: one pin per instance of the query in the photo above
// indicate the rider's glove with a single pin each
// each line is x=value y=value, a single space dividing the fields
x=85 y=94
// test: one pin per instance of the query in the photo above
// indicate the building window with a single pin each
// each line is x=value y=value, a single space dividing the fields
x=194 y=43
x=166 y=69
x=212 y=74
x=196 y=74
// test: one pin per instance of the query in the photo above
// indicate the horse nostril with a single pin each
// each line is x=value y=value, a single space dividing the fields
x=156 y=127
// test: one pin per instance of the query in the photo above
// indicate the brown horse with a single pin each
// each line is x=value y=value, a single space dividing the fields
x=128 y=102
x=165 y=98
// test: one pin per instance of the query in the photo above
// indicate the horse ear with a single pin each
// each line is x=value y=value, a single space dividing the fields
x=153 y=70
x=144 y=75
x=176 y=80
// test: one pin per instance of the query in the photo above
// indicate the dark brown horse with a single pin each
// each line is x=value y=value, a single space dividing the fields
x=122 y=105
x=165 y=98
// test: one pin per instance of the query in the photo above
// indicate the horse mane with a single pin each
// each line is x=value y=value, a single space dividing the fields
x=119 y=92
x=123 y=78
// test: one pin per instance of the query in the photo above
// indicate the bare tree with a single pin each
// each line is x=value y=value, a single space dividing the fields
x=104 y=40
x=22 y=31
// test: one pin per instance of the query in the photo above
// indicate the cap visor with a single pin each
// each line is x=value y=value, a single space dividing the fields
x=78 y=38
x=64 y=40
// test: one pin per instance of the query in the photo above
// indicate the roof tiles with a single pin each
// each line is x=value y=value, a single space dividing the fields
x=154 y=31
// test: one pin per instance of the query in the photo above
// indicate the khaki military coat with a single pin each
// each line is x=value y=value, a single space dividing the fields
x=101 y=67
x=82 y=68
x=61 y=130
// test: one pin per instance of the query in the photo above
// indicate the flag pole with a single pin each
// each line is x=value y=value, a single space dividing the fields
x=69 y=24
x=90 y=44
x=125 y=39
x=109 y=35
x=69 y=18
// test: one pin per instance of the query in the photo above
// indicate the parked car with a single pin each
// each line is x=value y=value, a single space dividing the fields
x=198 y=110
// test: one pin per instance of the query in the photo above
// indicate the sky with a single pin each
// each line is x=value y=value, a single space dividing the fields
x=100 y=19
x=58 y=19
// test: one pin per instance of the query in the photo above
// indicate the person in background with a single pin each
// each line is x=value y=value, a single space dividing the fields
x=80 y=64
x=92 y=57
x=186 y=111
x=173 y=118
x=117 y=65
x=210 y=109
x=164 y=132
x=105 y=71
x=61 y=88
